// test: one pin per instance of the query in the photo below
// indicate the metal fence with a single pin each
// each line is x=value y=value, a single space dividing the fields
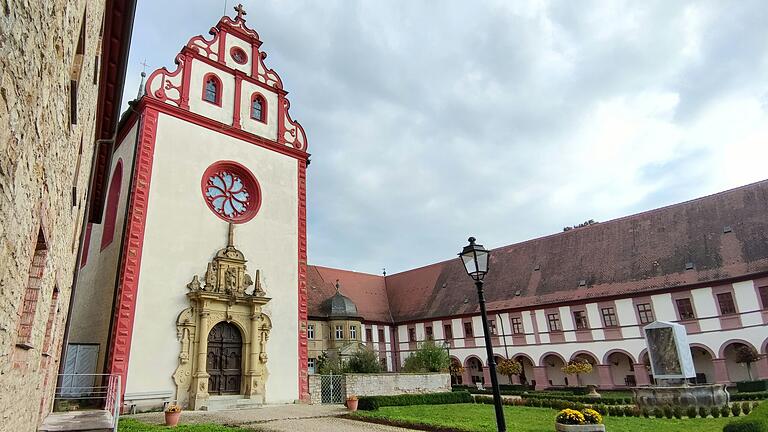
x=80 y=392
x=332 y=389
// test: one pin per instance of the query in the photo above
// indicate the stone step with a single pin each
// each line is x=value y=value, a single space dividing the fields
x=218 y=403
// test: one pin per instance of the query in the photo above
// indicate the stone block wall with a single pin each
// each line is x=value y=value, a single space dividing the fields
x=397 y=384
x=44 y=161
x=385 y=384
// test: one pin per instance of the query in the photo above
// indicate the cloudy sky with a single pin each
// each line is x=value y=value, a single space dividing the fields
x=429 y=121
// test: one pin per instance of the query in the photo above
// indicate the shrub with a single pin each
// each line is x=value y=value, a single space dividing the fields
x=691 y=412
x=646 y=412
x=602 y=409
x=725 y=411
x=703 y=413
x=752 y=386
x=328 y=365
x=363 y=361
x=750 y=396
x=570 y=417
x=736 y=409
x=658 y=413
x=369 y=403
x=428 y=358
x=715 y=412
x=677 y=412
x=668 y=413
x=592 y=417
x=577 y=367
x=757 y=421
x=746 y=407
x=629 y=411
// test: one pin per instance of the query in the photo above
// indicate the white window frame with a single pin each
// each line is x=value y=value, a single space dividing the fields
x=339 y=332
x=353 y=332
x=310 y=331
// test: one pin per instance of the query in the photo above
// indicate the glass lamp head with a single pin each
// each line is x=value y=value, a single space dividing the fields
x=475 y=260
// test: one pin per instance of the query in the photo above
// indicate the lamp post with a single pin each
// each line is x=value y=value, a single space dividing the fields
x=475 y=260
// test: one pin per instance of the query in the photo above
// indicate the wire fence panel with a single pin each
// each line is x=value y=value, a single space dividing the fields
x=332 y=389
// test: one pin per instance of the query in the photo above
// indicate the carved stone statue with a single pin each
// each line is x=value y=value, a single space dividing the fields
x=194 y=285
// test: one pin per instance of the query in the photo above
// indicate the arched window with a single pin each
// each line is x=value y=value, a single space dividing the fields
x=259 y=108
x=212 y=89
x=113 y=199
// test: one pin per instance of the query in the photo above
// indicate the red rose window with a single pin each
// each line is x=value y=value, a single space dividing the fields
x=231 y=191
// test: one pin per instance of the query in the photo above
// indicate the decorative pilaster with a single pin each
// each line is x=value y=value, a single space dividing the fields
x=641 y=374
x=605 y=377
x=540 y=376
x=721 y=371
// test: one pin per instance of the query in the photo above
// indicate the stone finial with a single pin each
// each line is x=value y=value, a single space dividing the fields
x=240 y=12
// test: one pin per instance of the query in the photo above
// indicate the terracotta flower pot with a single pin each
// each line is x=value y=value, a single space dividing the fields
x=579 y=428
x=172 y=418
x=352 y=404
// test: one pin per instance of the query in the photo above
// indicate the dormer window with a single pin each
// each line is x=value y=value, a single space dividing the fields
x=212 y=89
x=259 y=108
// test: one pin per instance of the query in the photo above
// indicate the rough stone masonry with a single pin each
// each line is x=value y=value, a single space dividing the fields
x=44 y=172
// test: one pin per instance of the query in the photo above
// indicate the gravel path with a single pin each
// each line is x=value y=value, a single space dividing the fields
x=241 y=417
x=326 y=424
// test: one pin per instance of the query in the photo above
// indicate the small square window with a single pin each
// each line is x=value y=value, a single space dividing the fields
x=311 y=331
x=428 y=330
x=685 y=309
x=448 y=330
x=517 y=325
x=468 y=330
x=645 y=313
x=725 y=301
x=554 y=322
x=412 y=334
x=609 y=317
x=580 y=320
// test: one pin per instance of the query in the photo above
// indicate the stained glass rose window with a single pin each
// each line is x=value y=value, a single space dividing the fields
x=231 y=191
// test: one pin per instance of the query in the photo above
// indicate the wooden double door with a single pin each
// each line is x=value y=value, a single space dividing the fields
x=225 y=359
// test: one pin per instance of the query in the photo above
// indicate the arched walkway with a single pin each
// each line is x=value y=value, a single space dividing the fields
x=527 y=376
x=737 y=371
x=503 y=379
x=622 y=368
x=592 y=378
x=702 y=363
x=553 y=364
x=473 y=370
x=456 y=378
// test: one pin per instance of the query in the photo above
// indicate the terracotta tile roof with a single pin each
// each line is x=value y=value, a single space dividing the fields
x=367 y=291
x=637 y=253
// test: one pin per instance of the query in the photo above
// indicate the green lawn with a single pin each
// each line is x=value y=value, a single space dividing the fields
x=131 y=425
x=478 y=417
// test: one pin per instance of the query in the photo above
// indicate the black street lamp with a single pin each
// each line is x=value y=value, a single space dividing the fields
x=475 y=260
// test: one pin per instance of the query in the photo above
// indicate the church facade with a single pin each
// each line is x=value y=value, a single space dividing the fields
x=203 y=247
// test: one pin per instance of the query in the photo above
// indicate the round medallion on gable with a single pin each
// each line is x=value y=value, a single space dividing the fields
x=238 y=55
x=231 y=191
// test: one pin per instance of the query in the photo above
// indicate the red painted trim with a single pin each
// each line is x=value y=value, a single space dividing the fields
x=249 y=182
x=238 y=97
x=223 y=68
x=217 y=126
x=124 y=130
x=302 y=273
x=254 y=96
x=219 y=88
x=254 y=60
x=113 y=201
x=234 y=50
x=222 y=46
x=130 y=265
x=86 y=244
x=186 y=77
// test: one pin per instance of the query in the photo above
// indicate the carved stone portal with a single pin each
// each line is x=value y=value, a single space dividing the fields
x=224 y=296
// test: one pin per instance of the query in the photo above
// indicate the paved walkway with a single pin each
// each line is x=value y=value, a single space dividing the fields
x=276 y=418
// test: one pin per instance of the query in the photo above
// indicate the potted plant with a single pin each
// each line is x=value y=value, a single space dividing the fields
x=172 y=414
x=570 y=420
x=352 y=402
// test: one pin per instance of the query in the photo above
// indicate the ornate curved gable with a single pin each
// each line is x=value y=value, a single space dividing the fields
x=248 y=94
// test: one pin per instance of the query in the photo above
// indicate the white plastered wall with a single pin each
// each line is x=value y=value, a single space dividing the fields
x=197 y=105
x=182 y=235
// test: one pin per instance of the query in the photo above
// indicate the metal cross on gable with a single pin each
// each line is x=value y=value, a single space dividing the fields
x=240 y=11
x=144 y=65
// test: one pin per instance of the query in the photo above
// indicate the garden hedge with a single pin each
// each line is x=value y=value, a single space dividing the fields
x=553 y=395
x=752 y=386
x=370 y=403
x=749 y=396
x=756 y=421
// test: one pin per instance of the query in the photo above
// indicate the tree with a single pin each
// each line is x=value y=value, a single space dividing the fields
x=328 y=365
x=428 y=358
x=747 y=355
x=509 y=367
x=577 y=367
x=363 y=361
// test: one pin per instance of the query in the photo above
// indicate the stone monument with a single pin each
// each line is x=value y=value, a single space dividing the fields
x=672 y=365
